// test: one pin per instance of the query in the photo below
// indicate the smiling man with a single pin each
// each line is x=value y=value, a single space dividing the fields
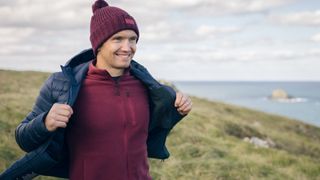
x=103 y=115
x=116 y=53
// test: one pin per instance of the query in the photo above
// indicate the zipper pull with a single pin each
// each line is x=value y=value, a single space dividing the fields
x=117 y=89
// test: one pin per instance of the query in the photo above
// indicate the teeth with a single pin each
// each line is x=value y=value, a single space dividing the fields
x=123 y=55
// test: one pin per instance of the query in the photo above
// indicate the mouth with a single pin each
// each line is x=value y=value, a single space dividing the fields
x=125 y=55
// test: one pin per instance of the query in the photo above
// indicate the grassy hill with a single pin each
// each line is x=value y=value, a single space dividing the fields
x=207 y=144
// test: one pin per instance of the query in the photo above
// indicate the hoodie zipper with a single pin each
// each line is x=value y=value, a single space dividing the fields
x=123 y=102
x=130 y=108
x=117 y=88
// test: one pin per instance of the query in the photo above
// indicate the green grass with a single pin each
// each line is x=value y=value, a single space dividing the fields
x=207 y=144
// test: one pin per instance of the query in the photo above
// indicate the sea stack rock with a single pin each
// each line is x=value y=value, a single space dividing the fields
x=279 y=94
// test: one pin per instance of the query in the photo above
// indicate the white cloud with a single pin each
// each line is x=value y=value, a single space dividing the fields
x=198 y=7
x=157 y=31
x=218 y=7
x=316 y=37
x=314 y=53
x=174 y=33
x=41 y=14
x=212 y=31
x=14 y=35
x=305 y=18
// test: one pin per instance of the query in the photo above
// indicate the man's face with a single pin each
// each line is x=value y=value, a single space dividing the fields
x=118 y=51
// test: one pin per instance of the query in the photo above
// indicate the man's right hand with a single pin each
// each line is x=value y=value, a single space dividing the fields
x=58 y=116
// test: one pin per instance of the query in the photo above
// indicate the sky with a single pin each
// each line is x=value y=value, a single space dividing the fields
x=185 y=40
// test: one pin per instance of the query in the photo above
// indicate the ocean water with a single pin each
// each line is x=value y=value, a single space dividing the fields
x=304 y=106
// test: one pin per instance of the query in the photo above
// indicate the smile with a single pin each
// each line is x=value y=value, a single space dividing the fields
x=124 y=55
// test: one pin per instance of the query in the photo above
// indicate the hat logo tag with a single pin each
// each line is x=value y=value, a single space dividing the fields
x=129 y=21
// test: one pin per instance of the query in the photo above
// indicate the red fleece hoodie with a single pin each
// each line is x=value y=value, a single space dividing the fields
x=108 y=132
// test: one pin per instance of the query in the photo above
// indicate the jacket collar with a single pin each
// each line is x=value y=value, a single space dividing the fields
x=77 y=67
x=83 y=57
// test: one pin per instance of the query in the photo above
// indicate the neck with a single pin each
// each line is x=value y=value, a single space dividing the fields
x=114 y=72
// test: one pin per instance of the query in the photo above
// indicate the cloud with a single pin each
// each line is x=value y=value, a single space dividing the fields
x=40 y=14
x=14 y=35
x=158 y=31
x=212 y=31
x=12 y=39
x=316 y=37
x=305 y=18
x=218 y=7
x=34 y=27
x=189 y=34
x=33 y=42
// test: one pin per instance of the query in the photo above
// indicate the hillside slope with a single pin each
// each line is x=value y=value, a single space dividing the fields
x=207 y=144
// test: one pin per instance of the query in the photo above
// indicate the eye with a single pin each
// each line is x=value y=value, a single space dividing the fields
x=133 y=39
x=117 y=38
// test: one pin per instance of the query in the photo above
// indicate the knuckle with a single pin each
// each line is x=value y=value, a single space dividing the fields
x=55 y=105
x=66 y=119
x=54 y=125
x=54 y=116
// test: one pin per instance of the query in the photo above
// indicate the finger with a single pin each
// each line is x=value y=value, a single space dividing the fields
x=63 y=106
x=64 y=112
x=62 y=109
x=184 y=100
x=178 y=99
x=186 y=104
x=60 y=124
x=69 y=109
x=66 y=107
x=60 y=118
x=186 y=108
x=185 y=112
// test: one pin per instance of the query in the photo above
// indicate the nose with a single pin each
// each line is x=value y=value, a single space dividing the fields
x=126 y=46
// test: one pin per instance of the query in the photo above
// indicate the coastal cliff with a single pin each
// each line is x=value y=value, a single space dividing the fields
x=210 y=143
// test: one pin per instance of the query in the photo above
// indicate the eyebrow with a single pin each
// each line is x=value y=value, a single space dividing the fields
x=123 y=37
x=133 y=37
x=117 y=37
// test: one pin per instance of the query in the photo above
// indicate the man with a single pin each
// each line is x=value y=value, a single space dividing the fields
x=103 y=115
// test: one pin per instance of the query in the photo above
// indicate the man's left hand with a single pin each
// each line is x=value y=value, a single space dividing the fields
x=183 y=103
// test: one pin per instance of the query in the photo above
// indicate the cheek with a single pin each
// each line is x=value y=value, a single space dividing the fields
x=106 y=55
x=133 y=49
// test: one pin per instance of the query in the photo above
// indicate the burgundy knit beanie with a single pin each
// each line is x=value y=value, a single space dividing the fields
x=107 y=21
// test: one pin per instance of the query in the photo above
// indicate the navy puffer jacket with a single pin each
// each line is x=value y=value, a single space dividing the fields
x=46 y=151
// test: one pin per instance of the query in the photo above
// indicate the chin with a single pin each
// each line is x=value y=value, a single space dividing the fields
x=124 y=65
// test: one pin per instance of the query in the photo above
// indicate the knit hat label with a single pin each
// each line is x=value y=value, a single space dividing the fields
x=129 y=21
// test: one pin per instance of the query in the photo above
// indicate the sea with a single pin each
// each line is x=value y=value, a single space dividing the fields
x=304 y=104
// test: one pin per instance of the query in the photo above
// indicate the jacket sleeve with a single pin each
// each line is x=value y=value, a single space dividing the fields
x=31 y=132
